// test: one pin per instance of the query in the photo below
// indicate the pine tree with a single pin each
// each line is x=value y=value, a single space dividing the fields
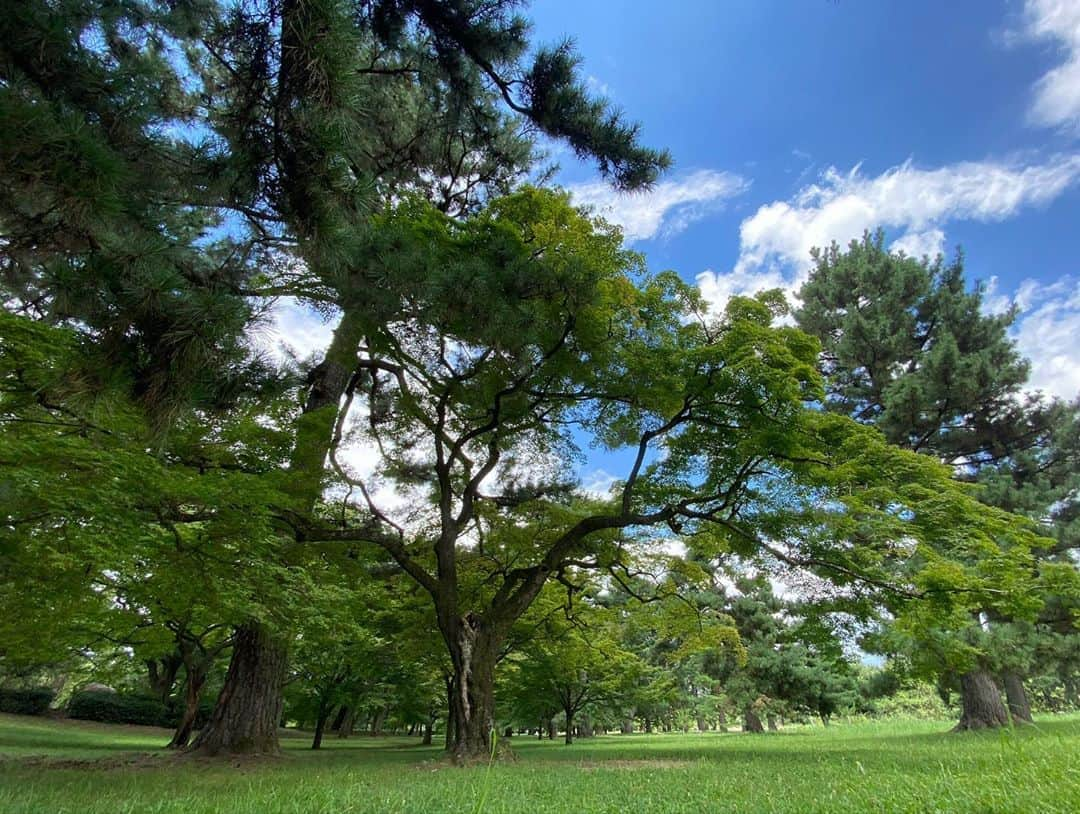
x=170 y=167
x=906 y=347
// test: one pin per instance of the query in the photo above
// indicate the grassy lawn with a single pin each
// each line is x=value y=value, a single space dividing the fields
x=878 y=767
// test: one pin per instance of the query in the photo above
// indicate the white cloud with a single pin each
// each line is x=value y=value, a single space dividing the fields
x=930 y=243
x=1057 y=93
x=598 y=483
x=1046 y=332
x=298 y=328
x=666 y=209
x=775 y=241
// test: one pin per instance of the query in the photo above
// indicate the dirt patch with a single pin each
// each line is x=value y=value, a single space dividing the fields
x=145 y=760
x=134 y=760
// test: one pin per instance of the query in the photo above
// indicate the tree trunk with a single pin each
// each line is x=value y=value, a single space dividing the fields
x=569 y=726
x=339 y=719
x=1016 y=696
x=378 y=721
x=772 y=722
x=585 y=728
x=246 y=717
x=751 y=722
x=628 y=726
x=196 y=678
x=702 y=724
x=162 y=676
x=429 y=730
x=721 y=721
x=474 y=652
x=345 y=728
x=982 y=706
x=551 y=729
x=320 y=726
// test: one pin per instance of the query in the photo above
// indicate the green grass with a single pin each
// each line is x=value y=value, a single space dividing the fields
x=894 y=766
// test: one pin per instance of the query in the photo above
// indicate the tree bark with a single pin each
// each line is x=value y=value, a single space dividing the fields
x=429 y=730
x=551 y=729
x=162 y=675
x=347 y=724
x=1017 y=698
x=320 y=726
x=245 y=719
x=378 y=721
x=751 y=722
x=474 y=652
x=339 y=719
x=982 y=706
x=772 y=722
x=628 y=726
x=585 y=728
x=569 y=726
x=702 y=724
x=196 y=679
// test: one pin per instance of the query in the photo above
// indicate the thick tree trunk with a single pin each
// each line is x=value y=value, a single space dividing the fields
x=474 y=652
x=551 y=732
x=721 y=721
x=702 y=724
x=982 y=706
x=245 y=719
x=1017 y=698
x=751 y=722
x=569 y=726
x=196 y=678
x=772 y=722
x=628 y=726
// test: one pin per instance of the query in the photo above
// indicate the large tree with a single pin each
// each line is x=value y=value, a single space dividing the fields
x=168 y=167
x=907 y=347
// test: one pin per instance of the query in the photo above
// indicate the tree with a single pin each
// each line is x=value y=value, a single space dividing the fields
x=907 y=348
x=531 y=326
x=204 y=157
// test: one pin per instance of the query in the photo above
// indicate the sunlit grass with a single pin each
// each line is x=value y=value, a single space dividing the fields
x=894 y=766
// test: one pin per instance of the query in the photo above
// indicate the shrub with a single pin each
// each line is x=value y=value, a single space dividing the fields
x=118 y=708
x=34 y=701
x=131 y=708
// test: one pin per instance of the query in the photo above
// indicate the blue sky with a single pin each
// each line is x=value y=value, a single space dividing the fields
x=800 y=122
x=795 y=123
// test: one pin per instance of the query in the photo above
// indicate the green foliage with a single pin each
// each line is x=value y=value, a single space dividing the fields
x=34 y=701
x=115 y=708
x=907 y=348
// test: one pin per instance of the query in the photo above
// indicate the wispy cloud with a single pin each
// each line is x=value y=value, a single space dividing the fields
x=1045 y=331
x=666 y=209
x=915 y=203
x=1057 y=92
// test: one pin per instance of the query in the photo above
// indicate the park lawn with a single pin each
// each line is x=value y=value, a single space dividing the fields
x=890 y=766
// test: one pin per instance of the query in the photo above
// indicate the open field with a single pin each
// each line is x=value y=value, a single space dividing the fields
x=905 y=766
